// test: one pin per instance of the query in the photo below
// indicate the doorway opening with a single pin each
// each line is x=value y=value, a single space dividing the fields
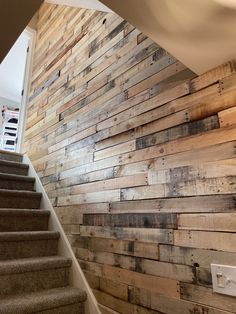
x=14 y=84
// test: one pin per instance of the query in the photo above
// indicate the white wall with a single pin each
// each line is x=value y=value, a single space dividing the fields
x=12 y=70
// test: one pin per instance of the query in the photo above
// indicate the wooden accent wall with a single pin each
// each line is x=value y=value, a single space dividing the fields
x=137 y=155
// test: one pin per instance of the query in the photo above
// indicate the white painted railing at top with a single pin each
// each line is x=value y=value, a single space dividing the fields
x=77 y=278
x=9 y=130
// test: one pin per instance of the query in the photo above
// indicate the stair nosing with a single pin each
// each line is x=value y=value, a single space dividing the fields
x=17 y=193
x=10 y=163
x=16 y=177
x=35 y=302
x=25 y=265
x=19 y=236
x=6 y=152
x=23 y=212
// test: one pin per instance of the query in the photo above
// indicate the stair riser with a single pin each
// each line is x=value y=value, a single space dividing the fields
x=16 y=185
x=10 y=157
x=19 y=202
x=77 y=308
x=23 y=223
x=13 y=170
x=14 y=284
x=28 y=249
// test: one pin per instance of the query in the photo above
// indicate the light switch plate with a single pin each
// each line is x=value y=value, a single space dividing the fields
x=224 y=279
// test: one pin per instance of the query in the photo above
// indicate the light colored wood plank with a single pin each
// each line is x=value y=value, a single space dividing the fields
x=227 y=117
x=160 y=285
x=221 y=241
x=210 y=222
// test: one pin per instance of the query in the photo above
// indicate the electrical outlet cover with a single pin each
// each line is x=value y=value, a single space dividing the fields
x=224 y=279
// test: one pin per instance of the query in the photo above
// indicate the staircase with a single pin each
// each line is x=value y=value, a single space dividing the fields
x=33 y=278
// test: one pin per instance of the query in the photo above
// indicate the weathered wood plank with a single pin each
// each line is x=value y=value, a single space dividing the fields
x=164 y=286
x=118 y=305
x=193 y=256
x=140 y=234
x=227 y=117
x=216 y=203
x=124 y=247
x=169 y=305
x=207 y=297
x=210 y=222
x=212 y=76
x=160 y=220
x=99 y=197
x=224 y=185
x=145 y=266
x=176 y=132
x=221 y=241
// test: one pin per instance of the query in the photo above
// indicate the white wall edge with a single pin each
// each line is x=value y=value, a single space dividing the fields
x=26 y=87
x=77 y=278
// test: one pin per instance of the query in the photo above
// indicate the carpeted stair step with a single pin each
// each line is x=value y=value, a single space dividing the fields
x=16 y=182
x=54 y=301
x=16 y=245
x=11 y=167
x=23 y=219
x=19 y=199
x=33 y=274
x=10 y=156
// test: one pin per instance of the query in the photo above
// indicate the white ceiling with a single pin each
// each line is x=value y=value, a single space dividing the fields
x=12 y=70
x=199 y=33
x=87 y=4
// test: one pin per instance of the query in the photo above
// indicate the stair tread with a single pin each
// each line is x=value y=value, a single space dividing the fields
x=43 y=300
x=13 y=164
x=6 y=152
x=23 y=212
x=20 y=193
x=28 y=235
x=18 y=177
x=16 y=266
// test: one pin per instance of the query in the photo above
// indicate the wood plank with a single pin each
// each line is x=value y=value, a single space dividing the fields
x=193 y=256
x=210 y=222
x=221 y=241
x=169 y=305
x=99 y=197
x=119 y=305
x=223 y=185
x=176 y=132
x=212 y=76
x=124 y=247
x=140 y=234
x=159 y=220
x=115 y=150
x=110 y=184
x=212 y=106
x=206 y=296
x=164 y=286
x=156 y=78
x=145 y=266
x=216 y=203
x=227 y=117
x=106 y=310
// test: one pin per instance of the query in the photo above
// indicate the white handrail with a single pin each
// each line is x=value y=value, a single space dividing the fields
x=77 y=278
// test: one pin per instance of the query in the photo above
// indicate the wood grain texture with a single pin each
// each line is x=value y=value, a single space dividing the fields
x=137 y=154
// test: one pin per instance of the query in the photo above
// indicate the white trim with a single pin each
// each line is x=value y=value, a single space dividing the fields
x=26 y=87
x=77 y=278
x=85 y=4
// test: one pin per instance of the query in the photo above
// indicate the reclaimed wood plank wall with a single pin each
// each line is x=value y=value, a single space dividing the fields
x=137 y=155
